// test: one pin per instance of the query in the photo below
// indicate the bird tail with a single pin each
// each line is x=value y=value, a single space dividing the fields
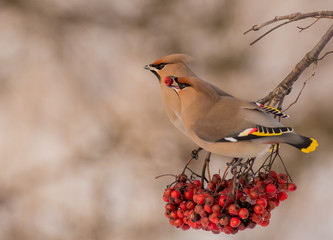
x=306 y=144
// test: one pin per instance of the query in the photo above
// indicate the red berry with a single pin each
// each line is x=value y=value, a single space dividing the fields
x=208 y=209
x=222 y=200
x=188 y=194
x=224 y=183
x=167 y=213
x=260 y=183
x=194 y=217
x=178 y=222
x=271 y=188
x=264 y=213
x=168 y=81
x=251 y=224
x=185 y=227
x=285 y=187
x=172 y=221
x=216 y=178
x=269 y=180
x=181 y=178
x=199 y=198
x=233 y=209
x=173 y=215
x=256 y=218
x=241 y=227
x=211 y=185
x=227 y=229
x=198 y=209
x=175 y=194
x=214 y=217
x=178 y=200
x=234 y=222
x=190 y=205
x=197 y=183
x=182 y=206
x=191 y=186
x=216 y=208
x=180 y=213
x=224 y=219
x=272 y=174
x=262 y=202
x=212 y=226
x=282 y=196
x=170 y=206
x=166 y=194
x=256 y=179
x=264 y=223
x=179 y=185
x=258 y=209
x=292 y=187
x=268 y=216
x=254 y=193
x=187 y=214
x=209 y=200
x=282 y=178
x=204 y=221
x=243 y=213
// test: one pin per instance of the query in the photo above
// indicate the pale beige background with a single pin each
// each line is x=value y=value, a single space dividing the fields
x=82 y=128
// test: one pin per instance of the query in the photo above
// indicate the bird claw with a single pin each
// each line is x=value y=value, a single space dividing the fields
x=195 y=153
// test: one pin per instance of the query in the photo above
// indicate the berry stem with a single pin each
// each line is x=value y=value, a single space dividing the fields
x=164 y=175
x=226 y=170
x=194 y=155
x=205 y=166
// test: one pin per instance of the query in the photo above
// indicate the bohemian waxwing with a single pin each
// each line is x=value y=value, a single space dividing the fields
x=229 y=126
x=176 y=65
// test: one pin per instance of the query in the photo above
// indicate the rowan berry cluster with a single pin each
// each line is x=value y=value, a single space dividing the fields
x=225 y=205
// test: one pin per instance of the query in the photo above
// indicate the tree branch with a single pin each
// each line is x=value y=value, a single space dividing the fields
x=291 y=18
x=284 y=88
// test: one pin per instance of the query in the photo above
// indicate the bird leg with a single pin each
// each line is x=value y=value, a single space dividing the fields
x=205 y=166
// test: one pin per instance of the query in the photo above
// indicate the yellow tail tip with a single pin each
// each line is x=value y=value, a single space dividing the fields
x=312 y=147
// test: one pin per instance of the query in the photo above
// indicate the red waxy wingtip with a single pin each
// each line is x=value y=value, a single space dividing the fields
x=253 y=130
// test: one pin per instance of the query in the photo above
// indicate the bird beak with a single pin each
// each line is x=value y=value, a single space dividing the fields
x=151 y=68
x=148 y=67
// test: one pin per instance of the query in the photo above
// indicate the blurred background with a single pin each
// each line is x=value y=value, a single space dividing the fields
x=83 y=132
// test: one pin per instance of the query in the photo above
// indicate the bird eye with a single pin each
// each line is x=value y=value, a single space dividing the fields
x=160 y=66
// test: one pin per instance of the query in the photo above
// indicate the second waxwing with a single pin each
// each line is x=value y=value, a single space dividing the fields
x=229 y=126
x=176 y=65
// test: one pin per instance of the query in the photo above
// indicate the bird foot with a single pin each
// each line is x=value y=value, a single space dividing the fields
x=195 y=153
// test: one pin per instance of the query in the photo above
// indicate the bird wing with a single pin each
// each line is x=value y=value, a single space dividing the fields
x=257 y=133
x=231 y=119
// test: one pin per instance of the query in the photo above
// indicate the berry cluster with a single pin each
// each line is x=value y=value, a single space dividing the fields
x=225 y=205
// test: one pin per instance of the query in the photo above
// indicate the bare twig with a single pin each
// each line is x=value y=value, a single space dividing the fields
x=324 y=55
x=167 y=174
x=304 y=83
x=269 y=31
x=292 y=18
x=284 y=88
x=303 y=28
